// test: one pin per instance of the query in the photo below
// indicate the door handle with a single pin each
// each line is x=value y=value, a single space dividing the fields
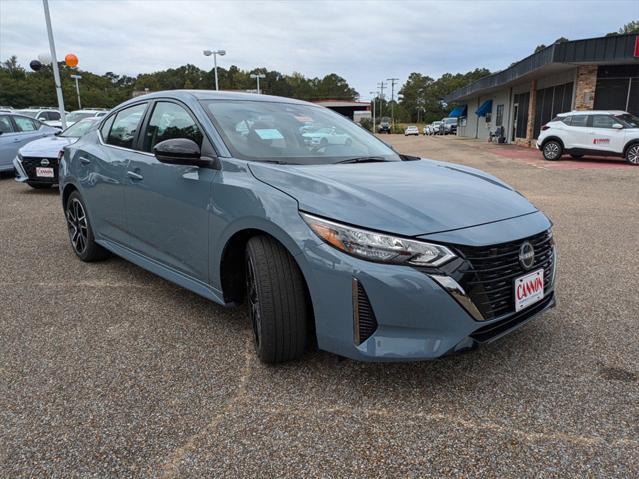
x=84 y=160
x=134 y=176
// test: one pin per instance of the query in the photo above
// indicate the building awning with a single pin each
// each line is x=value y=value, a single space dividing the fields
x=458 y=111
x=485 y=107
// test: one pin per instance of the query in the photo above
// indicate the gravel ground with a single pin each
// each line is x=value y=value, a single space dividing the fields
x=107 y=370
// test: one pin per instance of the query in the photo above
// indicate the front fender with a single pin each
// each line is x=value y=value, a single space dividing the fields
x=240 y=202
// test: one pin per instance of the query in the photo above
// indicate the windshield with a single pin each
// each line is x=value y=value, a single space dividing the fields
x=78 y=115
x=31 y=113
x=77 y=129
x=292 y=133
x=630 y=120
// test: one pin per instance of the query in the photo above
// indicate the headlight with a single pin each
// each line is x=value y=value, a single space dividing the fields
x=379 y=247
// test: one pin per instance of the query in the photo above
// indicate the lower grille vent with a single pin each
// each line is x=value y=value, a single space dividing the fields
x=364 y=322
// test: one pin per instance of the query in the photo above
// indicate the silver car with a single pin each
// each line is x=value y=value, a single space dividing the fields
x=15 y=132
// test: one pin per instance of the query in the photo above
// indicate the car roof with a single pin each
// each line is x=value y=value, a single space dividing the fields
x=187 y=95
x=593 y=112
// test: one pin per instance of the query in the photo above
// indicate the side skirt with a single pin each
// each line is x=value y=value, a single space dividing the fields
x=593 y=152
x=187 y=282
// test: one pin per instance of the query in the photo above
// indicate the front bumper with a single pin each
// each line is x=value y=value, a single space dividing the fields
x=415 y=317
x=27 y=174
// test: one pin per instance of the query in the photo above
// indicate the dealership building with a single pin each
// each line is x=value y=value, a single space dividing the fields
x=591 y=74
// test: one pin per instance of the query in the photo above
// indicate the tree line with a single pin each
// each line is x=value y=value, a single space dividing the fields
x=21 y=88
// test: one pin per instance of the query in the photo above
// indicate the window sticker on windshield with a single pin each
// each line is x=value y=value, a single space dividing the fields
x=269 y=134
x=304 y=119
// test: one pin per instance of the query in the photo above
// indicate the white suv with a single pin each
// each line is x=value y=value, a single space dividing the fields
x=601 y=133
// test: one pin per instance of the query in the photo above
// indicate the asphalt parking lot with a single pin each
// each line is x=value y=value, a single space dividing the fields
x=107 y=370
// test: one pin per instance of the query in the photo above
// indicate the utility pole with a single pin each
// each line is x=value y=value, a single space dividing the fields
x=393 y=81
x=374 y=100
x=381 y=86
x=54 y=64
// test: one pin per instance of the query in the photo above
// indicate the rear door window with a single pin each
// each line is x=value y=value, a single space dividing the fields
x=579 y=120
x=125 y=126
x=54 y=115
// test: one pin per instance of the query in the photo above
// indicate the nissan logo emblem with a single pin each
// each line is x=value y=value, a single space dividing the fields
x=526 y=255
x=44 y=162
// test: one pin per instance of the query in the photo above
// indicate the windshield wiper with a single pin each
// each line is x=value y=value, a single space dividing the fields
x=364 y=159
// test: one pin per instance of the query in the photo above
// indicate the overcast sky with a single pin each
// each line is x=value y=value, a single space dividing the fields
x=363 y=41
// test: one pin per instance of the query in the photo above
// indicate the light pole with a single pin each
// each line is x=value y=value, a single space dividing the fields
x=374 y=101
x=215 y=53
x=257 y=76
x=54 y=64
x=77 y=89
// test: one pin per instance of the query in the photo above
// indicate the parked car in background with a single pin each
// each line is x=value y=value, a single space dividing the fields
x=15 y=132
x=49 y=116
x=411 y=130
x=36 y=163
x=449 y=126
x=437 y=127
x=384 y=125
x=325 y=136
x=78 y=115
x=6 y=109
x=375 y=255
x=597 y=132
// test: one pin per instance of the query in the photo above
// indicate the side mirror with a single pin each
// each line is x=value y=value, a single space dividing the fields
x=617 y=126
x=57 y=133
x=180 y=151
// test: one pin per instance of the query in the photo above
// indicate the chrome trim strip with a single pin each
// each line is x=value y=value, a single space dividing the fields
x=458 y=293
x=355 y=313
x=17 y=164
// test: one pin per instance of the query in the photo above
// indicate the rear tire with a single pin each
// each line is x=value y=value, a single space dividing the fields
x=81 y=232
x=278 y=303
x=552 y=150
x=632 y=154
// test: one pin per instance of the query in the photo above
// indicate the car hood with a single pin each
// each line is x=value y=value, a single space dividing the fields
x=409 y=198
x=47 y=147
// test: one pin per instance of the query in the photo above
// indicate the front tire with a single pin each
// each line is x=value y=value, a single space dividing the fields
x=632 y=154
x=552 y=150
x=278 y=303
x=81 y=232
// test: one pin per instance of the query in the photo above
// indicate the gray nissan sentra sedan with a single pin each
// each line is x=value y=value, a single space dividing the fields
x=371 y=254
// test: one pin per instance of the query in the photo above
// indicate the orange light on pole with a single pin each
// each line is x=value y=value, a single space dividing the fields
x=71 y=60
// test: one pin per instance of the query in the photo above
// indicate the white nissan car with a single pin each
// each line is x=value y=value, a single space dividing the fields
x=599 y=133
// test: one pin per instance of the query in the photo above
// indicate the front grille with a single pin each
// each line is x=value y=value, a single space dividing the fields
x=364 y=321
x=494 y=330
x=30 y=163
x=489 y=277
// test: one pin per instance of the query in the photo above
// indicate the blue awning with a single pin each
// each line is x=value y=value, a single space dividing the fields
x=485 y=107
x=458 y=111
